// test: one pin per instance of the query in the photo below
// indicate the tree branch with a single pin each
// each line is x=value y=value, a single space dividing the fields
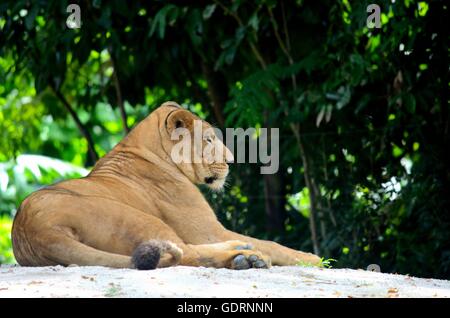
x=81 y=127
x=241 y=24
x=282 y=46
x=285 y=28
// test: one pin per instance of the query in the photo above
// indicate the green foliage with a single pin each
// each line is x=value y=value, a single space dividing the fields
x=368 y=105
x=29 y=173
x=20 y=112
x=6 y=254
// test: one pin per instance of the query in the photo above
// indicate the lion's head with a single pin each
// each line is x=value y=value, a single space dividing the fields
x=193 y=145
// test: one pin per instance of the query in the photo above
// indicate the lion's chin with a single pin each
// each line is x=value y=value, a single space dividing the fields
x=215 y=183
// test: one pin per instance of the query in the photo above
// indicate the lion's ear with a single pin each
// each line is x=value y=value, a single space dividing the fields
x=179 y=118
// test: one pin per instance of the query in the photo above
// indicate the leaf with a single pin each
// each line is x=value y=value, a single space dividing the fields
x=162 y=27
x=235 y=5
x=226 y=43
x=229 y=56
x=320 y=116
x=240 y=33
x=209 y=10
x=230 y=46
x=194 y=27
x=328 y=113
x=345 y=93
x=159 y=22
x=311 y=62
x=254 y=21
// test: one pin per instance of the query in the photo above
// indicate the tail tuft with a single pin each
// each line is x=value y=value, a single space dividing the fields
x=147 y=255
x=155 y=253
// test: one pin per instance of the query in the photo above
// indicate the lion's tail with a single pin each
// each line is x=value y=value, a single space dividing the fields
x=155 y=253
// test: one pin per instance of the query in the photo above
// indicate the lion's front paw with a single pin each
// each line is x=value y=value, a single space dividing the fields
x=250 y=259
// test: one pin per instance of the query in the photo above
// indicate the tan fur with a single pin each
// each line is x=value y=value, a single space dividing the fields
x=134 y=194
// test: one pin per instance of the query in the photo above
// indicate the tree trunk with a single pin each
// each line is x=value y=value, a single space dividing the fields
x=274 y=193
x=217 y=91
x=274 y=201
x=119 y=98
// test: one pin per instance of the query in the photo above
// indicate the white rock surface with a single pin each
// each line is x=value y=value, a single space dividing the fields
x=183 y=281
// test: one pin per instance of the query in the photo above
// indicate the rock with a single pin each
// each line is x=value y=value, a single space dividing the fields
x=181 y=281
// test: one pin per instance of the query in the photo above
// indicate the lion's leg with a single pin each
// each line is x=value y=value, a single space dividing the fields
x=60 y=248
x=279 y=254
x=214 y=232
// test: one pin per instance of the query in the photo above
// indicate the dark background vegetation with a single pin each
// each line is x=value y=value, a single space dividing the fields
x=363 y=113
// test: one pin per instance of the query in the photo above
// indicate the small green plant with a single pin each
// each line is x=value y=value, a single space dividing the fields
x=326 y=263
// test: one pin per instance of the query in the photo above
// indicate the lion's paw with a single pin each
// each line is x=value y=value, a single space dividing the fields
x=250 y=259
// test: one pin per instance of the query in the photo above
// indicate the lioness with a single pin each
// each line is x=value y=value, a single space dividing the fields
x=139 y=209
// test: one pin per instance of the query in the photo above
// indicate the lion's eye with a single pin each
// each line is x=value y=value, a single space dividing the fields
x=208 y=139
